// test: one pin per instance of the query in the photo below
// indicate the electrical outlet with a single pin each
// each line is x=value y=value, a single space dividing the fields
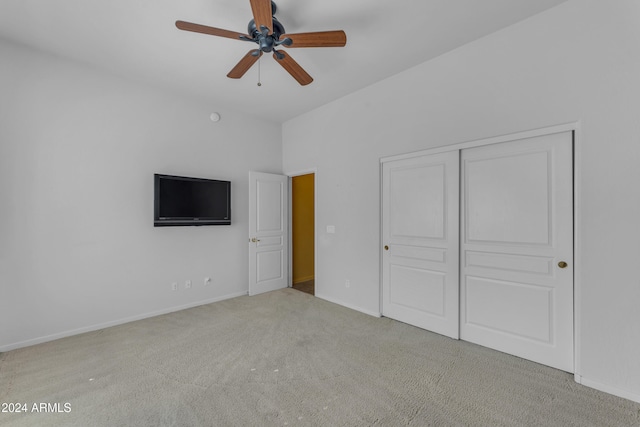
x=187 y=284
x=174 y=286
x=347 y=283
x=207 y=281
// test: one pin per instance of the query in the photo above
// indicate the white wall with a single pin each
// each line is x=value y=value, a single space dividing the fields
x=78 y=150
x=577 y=62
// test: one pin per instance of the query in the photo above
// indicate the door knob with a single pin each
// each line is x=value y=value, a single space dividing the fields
x=386 y=248
x=562 y=264
x=254 y=240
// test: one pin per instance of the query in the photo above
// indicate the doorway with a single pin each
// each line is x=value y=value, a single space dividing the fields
x=303 y=233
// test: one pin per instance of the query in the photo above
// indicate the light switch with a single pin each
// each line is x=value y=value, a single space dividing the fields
x=331 y=229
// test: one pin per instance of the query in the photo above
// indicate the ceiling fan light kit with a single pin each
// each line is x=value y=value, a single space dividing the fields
x=268 y=33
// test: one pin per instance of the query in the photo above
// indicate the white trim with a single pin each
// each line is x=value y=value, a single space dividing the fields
x=625 y=394
x=301 y=172
x=99 y=326
x=567 y=127
x=577 y=253
x=381 y=243
x=350 y=306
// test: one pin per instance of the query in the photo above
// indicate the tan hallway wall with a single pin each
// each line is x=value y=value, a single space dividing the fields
x=302 y=219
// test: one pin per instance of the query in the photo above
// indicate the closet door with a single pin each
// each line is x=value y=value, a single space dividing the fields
x=420 y=235
x=517 y=248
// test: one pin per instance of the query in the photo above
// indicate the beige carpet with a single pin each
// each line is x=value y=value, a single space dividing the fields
x=287 y=358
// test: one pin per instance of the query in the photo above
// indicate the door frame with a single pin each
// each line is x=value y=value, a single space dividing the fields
x=575 y=128
x=290 y=176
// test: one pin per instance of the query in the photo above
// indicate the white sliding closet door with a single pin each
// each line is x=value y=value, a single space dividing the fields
x=516 y=288
x=421 y=242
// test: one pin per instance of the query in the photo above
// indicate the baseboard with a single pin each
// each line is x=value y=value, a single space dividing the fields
x=92 y=328
x=352 y=307
x=625 y=394
x=303 y=279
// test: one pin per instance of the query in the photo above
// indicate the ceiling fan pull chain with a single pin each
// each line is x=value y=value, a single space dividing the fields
x=259 y=68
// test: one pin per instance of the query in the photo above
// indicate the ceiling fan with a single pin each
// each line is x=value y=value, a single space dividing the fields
x=268 y=33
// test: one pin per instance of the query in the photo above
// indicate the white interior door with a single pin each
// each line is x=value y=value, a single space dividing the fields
x=421 y=241
x=517 y=248
x=268 y=232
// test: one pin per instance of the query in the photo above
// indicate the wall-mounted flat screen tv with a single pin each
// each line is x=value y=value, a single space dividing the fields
x=181 y=200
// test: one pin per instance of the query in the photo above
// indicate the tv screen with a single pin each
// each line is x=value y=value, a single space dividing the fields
x=181 y=200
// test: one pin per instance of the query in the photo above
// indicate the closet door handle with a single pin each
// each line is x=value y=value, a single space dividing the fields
x=562 y=264
x=386 y=248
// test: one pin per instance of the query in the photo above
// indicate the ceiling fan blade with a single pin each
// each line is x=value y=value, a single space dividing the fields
x=292 y=67
x=197 y=28
x=245 y=63
x=262 y=14
x=318 y=39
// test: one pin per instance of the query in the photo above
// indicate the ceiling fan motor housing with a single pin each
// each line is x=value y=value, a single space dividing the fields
x=266 y=41
x=256 y=33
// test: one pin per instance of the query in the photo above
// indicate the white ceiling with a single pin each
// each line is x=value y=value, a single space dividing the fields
x=137 y=39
